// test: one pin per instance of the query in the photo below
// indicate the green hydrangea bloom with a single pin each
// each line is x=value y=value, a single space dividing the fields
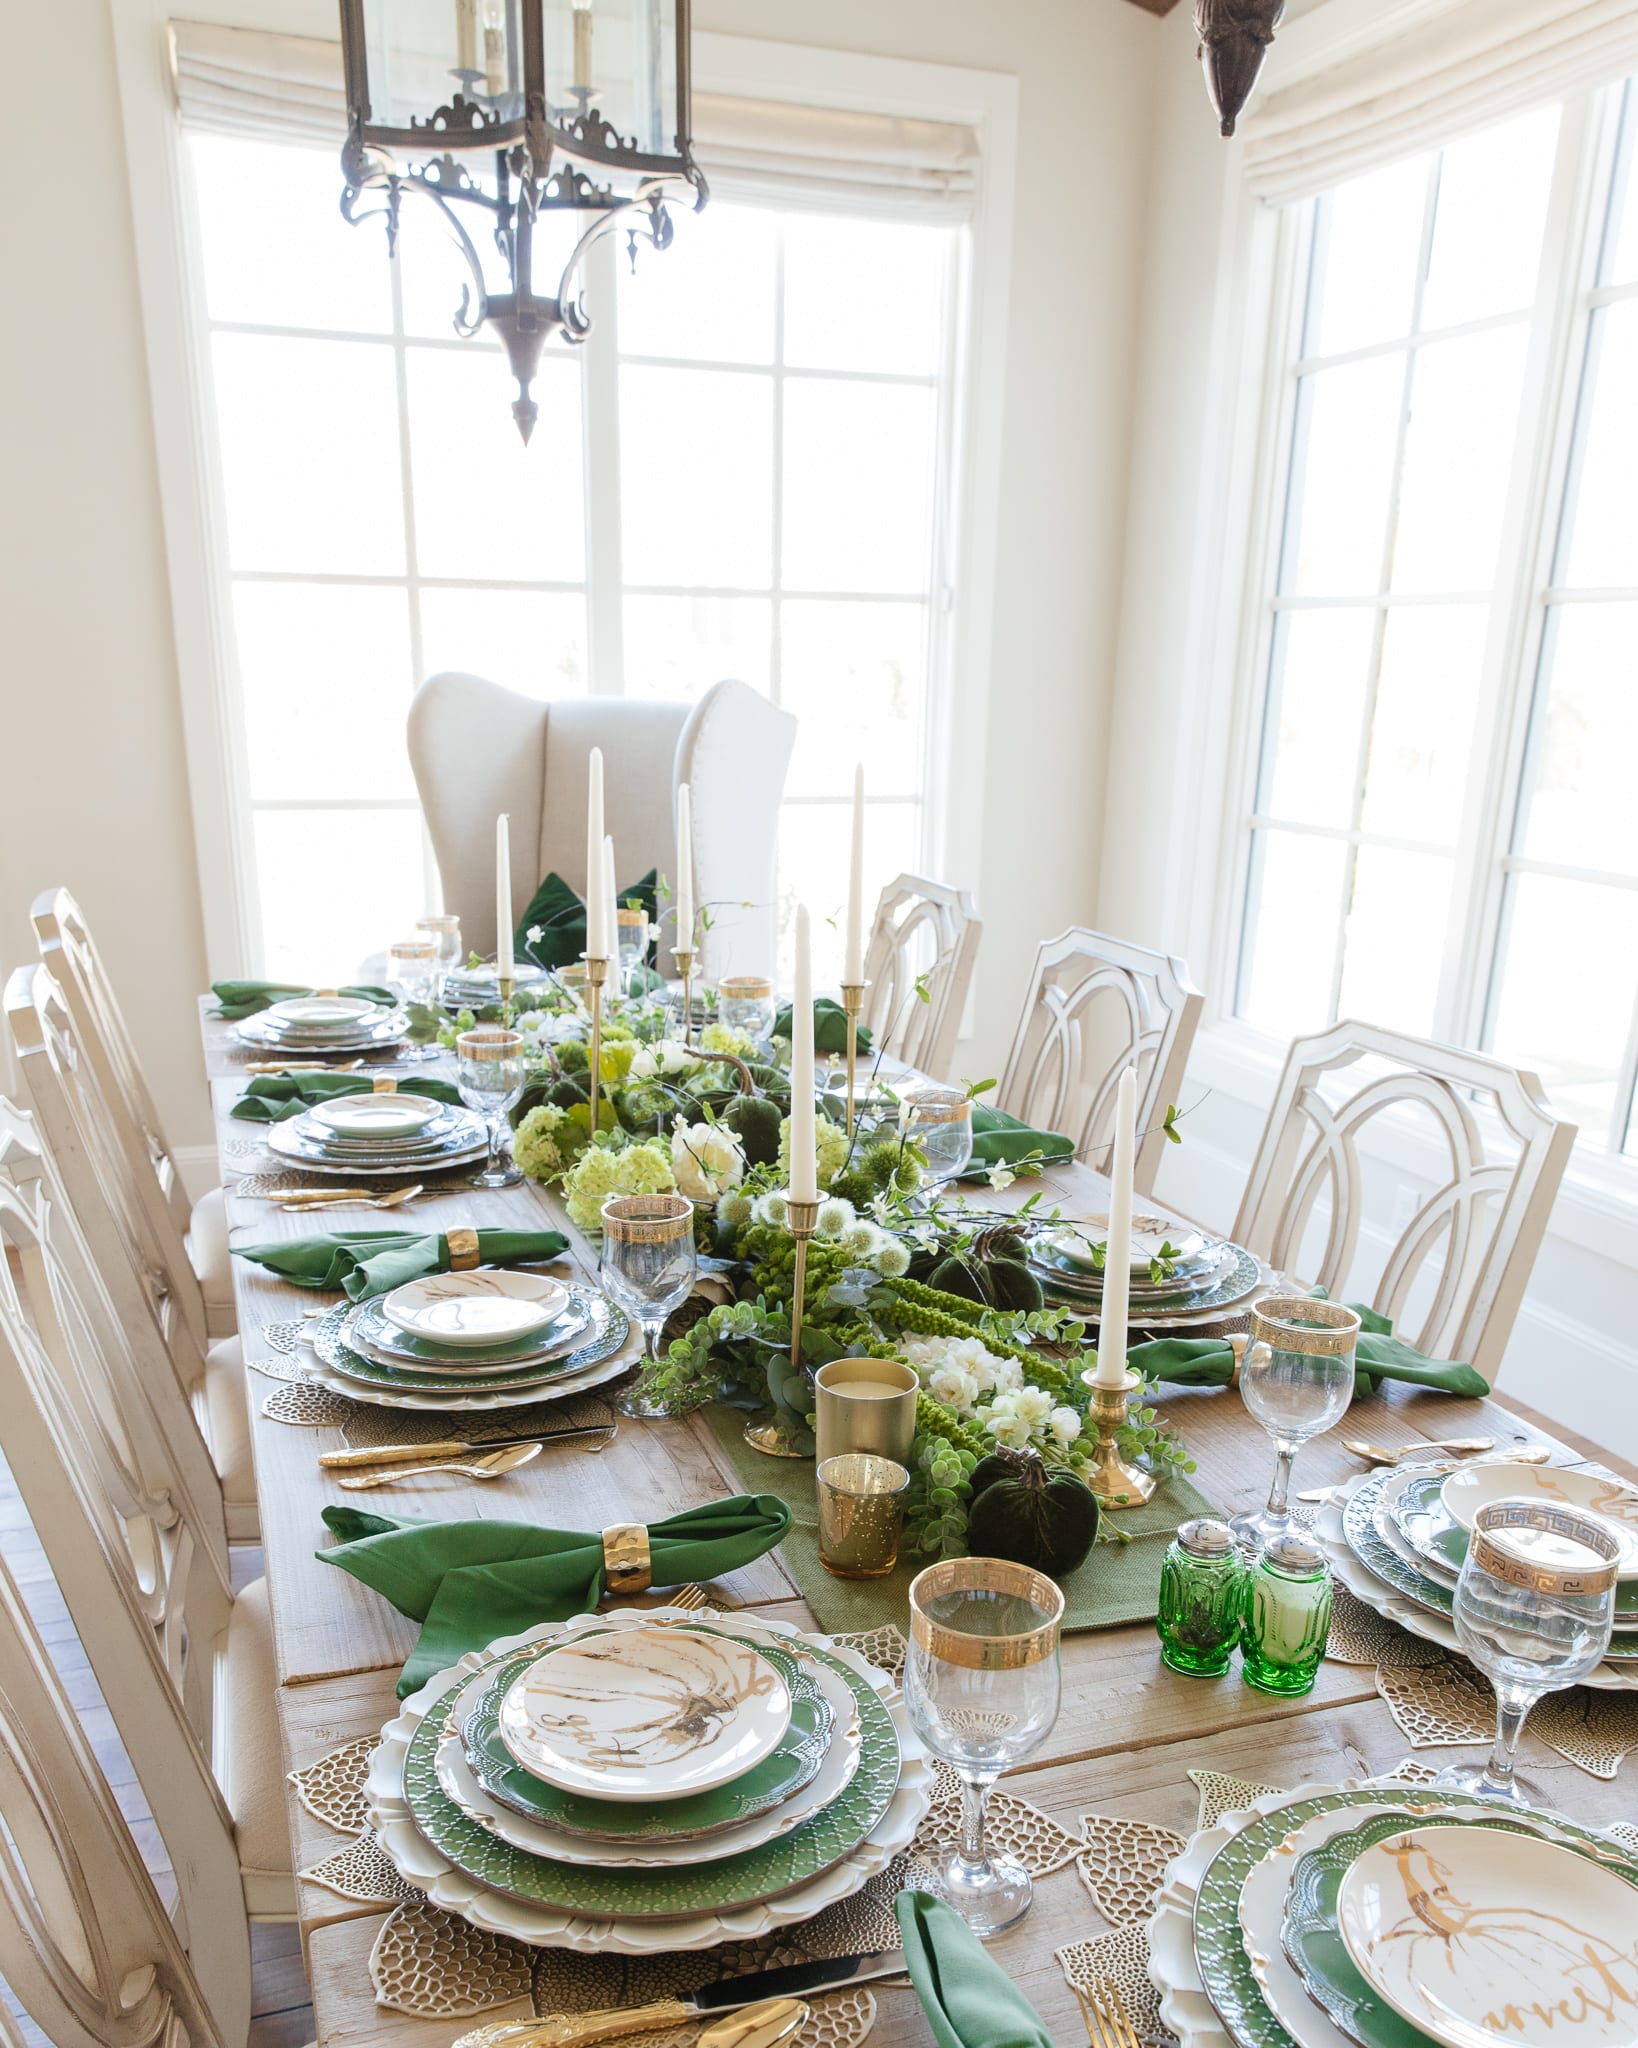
x=722 y=1039
x=830 y=1143
x=534 y=1143
x=601 y=1172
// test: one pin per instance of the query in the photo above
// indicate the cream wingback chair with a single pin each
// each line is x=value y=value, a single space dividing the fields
x=478 y=750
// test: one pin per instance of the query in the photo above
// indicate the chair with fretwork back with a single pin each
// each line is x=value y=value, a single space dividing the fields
x=192 y=1236
x=1096 y=1006
x=128 y=1510
x=925 y=938
x=87 y=1948
x=1485 y=1154
x=103 y=1183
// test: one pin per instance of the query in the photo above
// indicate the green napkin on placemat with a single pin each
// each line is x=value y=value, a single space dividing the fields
x=1379 y=1355
x=367 y=1262
x=245 y=998
x=271 y=1098
x=469 y=1582
x=969 y=1999
x=829 y=1026
x=552 y=931
x=1001 y=1140
x=1119 y=1582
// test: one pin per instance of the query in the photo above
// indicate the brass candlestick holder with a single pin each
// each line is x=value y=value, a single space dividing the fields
x=597 y=971
x=684 y=957
x=775 y=1436
x=1115 y=1483
x=852 y=1002
x=504 y=985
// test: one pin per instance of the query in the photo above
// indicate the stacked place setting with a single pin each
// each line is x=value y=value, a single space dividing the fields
x=323 y=1026
x=398 y=1133
x=1178 y=1275
x=644 y=1782
x=489 y=1338
x=478 y=988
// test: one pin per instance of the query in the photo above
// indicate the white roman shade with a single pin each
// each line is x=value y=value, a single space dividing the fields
x=1428 y=73
x=280 y=88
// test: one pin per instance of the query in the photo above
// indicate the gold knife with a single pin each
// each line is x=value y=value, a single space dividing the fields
x=454 y=1447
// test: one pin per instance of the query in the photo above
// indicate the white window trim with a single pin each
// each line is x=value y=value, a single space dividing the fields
x=962 y=615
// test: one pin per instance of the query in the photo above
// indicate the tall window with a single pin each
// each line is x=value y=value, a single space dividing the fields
x=1439 y=838
x=742 y=474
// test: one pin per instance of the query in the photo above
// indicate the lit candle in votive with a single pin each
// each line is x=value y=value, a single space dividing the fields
x=804 y=1185
x=685 y=869
x=1117 y=1250
x=597 y=922
x=853 y=962
x=503 y=898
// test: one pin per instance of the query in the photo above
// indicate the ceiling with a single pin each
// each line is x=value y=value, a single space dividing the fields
x=1155 y=6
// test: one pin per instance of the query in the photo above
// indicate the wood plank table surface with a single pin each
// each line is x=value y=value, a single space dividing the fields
x=1128 y=1731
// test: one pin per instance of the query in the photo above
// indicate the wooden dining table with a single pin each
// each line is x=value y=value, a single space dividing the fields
x=1129 y=1729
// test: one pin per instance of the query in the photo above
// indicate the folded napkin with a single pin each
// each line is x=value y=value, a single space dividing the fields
x=245 y=998
x=1379 y=1355
x=829 y=1026
x=469 y=1582
x=1001 y=1140
x=367 y=1262
x=271 y=1098
x=969 y=1999
x=552 y=931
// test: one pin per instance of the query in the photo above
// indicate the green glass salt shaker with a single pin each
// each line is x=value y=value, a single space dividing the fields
x=1202 y=1588
x=1286 y=1616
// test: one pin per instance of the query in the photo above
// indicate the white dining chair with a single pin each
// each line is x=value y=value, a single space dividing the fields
x=1479 y=1159
x=478 y=750
x=191 y=1232
x=127 y=1508
x=87 y=1948
x=919 y=966
x=154 y=1287
x=1096 y=1006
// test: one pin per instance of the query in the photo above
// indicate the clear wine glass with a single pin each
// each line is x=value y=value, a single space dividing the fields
x=1535 y=1603
x=444 y=933
x=648 y=1267
x=981 y=1685
x=490 y=1070
x=1296 y=1379
x=940 y=1121
x=412 y=973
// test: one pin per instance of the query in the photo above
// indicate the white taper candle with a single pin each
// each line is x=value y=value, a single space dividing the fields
x=804 y=1183
x=611 y=921
x=596 y=915
x=853 y=960
x=1117 y=1250
x=685 y=869
x=503 y=898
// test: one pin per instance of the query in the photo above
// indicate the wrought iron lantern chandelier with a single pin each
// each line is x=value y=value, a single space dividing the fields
x=525 y=109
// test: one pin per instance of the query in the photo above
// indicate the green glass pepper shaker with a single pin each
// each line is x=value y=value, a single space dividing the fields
x=1202 y=1587
x=1286 y=1616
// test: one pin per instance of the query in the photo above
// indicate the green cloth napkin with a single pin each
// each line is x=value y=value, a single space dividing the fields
x=559 y=917
x=245 y=998
x=271 y=1098
x=1378 y=1356
x=368 y=1262
x=969 y=1999
x=1001 y=1140
x=829 y=1026
x=469 y=1582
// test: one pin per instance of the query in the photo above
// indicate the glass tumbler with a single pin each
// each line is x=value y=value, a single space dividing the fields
x=445 y=934
x=745 y=1002
x=940 y=1121
x=490 y=1070
x=1296 y=1379
x=412 y=974
x=1535 y=1603
x=981 y=1684
x=861 y=1511
x=632 y=936
x=648 y=1263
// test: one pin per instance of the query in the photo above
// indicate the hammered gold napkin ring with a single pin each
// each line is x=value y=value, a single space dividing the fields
x=627 y=1563
x=463 y=1248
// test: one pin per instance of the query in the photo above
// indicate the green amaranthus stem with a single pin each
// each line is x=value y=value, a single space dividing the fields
x=937 y=1420
x=918 y=1315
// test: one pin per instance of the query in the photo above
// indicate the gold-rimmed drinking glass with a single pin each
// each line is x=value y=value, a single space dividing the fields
x=444 y=932
x=981 y=1686
x=631 y=934
x=412 y=974
x=1296 y=1379
x=490 y=1069
x=940 y=1122
x=745 y=1002
x=648 y=1267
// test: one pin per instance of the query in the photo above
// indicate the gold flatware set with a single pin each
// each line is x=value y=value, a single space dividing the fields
x=495 y=1466
x=458 y=1447
x=298 y=1199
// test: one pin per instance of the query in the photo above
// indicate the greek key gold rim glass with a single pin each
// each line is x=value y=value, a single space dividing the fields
x=647 y=1219
x=745 y=988
x=1287 y=1322
x=1498 y=1549
x=489 y=1042
x=939 y=1106
x=986 y=1575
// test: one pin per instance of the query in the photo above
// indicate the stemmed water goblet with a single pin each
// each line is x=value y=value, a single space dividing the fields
x=648 y=1267
x=981 y=1684
x=1534 y=1607
x=1296 y=1379
x=490 y=1070
x=412 y=973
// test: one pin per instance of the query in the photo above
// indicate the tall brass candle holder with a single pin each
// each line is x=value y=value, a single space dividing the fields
x=504 y=985
x=775 y=1436
x=852 y=1002
x=597 y=971
x=1116 y=1483
x=684 y=957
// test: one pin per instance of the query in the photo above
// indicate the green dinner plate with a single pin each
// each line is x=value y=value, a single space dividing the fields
x=606 y=1332
x=1317 y=1951
x=719 y=1886
x=793 y=1764
x=1427 y=1525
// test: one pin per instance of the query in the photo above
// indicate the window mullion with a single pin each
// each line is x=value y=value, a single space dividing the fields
x=600 y=464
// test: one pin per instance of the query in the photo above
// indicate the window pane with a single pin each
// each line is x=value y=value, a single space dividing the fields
x=1492 y=208
x=1581 y=810
x=313 y=928
x=1294 y=899
x=680 y=646
x=855 y=675
x=433 y=271
x=324 y=659
x=696 y=476
x=1621 y=242
x=1568 y=984
x=1394 y=943
x=309 y=438
x=711 y=294
x=532 y=641
x=1342 y=469
x=858 y=485
x=1458 y=455
x=863 y=295
x=1316 y=703
x=1600 y=525
x=813 y=864
x=486 y=504
x=275 y=250
x=1365 y=261
x=1422 y=730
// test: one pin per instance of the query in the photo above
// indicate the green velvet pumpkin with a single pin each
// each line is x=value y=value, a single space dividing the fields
x=1031 y=1513
x=755 y=1121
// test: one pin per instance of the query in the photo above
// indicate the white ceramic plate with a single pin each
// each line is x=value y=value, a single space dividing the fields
x=376 y=1116
x=1476 y=1935
x=1472 y=1487
x=476 y=1309
x=646 y=1714
x=461 y=1400
x=320 y=1016
x=1074 y=1241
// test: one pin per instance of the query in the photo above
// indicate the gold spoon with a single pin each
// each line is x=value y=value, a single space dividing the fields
x=495 y=1466
x=1378 y=1456
x=297 y=1205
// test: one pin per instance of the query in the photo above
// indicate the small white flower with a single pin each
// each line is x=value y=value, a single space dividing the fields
x=1000 y=1175
x=665 y=1056
x=772 y=1209
x=861 y=1239
x=1006 y=1428
x=706 y=1159
x=1065 y=1426
x=534 y=934
x=1033 y=1404
x=954 y=1389
x=734 y=1210
x=835 y=1217
x=892 y=1259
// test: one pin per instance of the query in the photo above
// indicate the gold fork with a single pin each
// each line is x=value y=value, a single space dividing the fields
x=1108 y=2024
x=297 y=1203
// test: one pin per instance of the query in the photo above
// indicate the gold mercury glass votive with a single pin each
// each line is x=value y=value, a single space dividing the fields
x=861 y=1510
x=865 y=1404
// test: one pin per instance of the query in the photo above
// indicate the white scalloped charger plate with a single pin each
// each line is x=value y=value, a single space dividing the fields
x=422 y=1866
x=459 y=1402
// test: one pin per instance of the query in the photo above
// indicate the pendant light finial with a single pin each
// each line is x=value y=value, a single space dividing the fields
x=1234 y=39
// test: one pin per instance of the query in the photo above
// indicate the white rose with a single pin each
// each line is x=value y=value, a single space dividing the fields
x=644 y=1066
x=706 y=1160
x=1034 y=1405
x=1065 y=1426
x=1007 y=1428
x=953 y=1388
x=674 y=1058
